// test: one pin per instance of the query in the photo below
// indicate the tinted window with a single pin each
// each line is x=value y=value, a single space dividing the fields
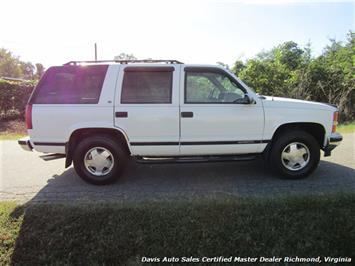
x=70 y=85
x=147 y=86
x=211 y=87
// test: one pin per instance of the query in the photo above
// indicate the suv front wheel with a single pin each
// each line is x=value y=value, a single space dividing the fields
x=295 y=154
x=99 y=160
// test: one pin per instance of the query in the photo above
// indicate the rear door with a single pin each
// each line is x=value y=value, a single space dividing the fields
x=147 y=108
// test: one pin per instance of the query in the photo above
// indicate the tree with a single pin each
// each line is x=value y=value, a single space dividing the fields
x=291 y=71
x=11 y=66
x=332 y=77
x=265 y=76
x=238 y=67
x=39 y=70
x=289 y=55
x=28 y=70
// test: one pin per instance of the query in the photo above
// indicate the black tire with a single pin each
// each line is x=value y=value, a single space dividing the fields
x=295 y=136
x=119 y=158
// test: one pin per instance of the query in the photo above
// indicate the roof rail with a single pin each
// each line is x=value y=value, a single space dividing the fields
x=124 y=61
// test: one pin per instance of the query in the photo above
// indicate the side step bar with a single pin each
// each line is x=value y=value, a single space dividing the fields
x=53 y=156
x=196 y=159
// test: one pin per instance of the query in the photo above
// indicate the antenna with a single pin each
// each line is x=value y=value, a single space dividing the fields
x=95 y=52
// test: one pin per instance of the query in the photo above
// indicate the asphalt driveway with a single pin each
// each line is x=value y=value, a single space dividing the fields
x=26 y=177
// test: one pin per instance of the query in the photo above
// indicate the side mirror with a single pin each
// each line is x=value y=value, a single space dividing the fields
x=248 y=99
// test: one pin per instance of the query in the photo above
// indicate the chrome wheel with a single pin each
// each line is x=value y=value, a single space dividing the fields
x=99 y=161
x=295 y=156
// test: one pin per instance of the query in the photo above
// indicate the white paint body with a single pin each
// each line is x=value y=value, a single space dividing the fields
x=162 y=122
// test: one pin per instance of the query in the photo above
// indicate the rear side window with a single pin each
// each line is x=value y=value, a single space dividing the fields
x=147 y=85
x=70 y=85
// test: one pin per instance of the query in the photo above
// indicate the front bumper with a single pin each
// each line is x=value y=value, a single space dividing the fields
x=25 y=144
x=333 y=141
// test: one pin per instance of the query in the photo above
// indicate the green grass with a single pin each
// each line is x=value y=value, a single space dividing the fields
x=120 y=234
x=11 y=136
x=346 y=128
x=9 y=231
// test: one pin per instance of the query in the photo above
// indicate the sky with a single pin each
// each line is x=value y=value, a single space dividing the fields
x=193 y=31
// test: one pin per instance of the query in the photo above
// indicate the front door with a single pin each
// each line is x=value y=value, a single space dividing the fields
x=214 y=120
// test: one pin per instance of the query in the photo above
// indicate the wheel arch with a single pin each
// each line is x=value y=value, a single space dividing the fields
x=315 y=129
x=116 y=133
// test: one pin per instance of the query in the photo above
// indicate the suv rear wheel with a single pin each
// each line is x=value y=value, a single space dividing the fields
x=295 y=154
x=99 y=160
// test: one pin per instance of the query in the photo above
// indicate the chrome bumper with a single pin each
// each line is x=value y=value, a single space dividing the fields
x=333 y=141
x=25 y=143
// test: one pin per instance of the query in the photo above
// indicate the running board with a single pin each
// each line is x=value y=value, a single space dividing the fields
x=196 y=159
x=53 y=156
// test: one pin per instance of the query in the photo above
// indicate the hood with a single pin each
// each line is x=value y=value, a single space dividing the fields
x=294 y=103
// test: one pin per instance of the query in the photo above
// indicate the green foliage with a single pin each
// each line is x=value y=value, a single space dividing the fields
x=11 y=66
x=289 y=55
x=266 y=76
x=238 y=67
x=121 y=233
x=346 y=128
x=289 y=71
x=13 y=98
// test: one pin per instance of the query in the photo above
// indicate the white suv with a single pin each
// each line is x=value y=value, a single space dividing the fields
x=99 y=114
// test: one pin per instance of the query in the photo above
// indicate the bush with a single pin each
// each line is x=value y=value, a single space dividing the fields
x=12 y=114
x=13 y=98
x=290 y=71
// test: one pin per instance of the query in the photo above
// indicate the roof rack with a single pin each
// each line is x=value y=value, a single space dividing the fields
x=124 y=61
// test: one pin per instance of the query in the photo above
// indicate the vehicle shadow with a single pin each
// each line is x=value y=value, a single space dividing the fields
x=166 y=182
x=181 y=181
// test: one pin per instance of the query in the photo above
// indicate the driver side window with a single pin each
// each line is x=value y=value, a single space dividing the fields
x=211 y=87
